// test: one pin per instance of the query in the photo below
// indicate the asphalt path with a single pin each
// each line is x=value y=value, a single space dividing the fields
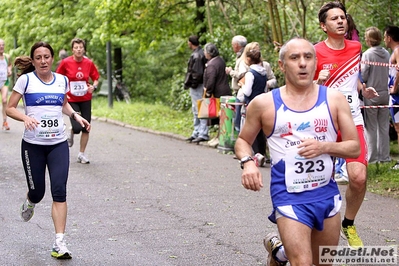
x=149 y=198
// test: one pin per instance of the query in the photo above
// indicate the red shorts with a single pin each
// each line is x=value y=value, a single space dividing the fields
x=363 y=157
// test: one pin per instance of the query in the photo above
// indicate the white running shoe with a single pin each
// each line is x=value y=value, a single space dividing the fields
x=83 y=159
x=259 y=160
x=342 y=180
x=213 y=142
x=27 y=210
x=60 y=250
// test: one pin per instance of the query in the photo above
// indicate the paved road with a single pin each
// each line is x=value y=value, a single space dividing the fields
x=151 y=199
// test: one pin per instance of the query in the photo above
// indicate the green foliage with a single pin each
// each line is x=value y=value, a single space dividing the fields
x=179 y=97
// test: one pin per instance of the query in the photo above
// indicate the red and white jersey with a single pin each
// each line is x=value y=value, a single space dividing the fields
x=79 y=74
x=344 y=67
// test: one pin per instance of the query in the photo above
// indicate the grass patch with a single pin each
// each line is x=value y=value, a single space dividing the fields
x=153 y=116
x=381 y=179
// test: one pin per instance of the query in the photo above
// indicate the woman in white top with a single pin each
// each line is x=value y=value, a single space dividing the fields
x=44 y=143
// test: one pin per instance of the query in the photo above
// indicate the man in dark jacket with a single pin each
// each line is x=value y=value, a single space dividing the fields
x=194 y=82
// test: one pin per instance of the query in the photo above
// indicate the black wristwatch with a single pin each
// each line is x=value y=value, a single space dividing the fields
x=73 y=115
x=244 y=160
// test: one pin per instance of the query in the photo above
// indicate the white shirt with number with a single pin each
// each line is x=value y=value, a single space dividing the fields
x=44 y=102
x=295 y=179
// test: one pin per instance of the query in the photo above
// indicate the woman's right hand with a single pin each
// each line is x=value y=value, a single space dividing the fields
x=30 y=123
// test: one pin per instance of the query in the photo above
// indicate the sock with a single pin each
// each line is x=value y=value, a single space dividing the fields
x=280 y=255
x=346 y=222
x=29 y=203
x=59 y=236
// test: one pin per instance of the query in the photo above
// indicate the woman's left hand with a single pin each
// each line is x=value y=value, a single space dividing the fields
x=83 y=122
x=91 y=89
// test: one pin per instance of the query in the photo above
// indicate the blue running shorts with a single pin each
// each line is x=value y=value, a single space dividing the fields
x=310 y=214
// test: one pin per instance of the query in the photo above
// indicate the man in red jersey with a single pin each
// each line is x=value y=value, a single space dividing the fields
x=338 y=68
x=79 y=70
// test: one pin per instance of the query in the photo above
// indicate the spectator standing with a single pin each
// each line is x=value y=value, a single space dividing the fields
x=216 y=83
x=255 y=84
x=376 y=119
x=338 y=66
x=194 y=82
x=391 y=39
x=238 y=43
x=44 y=142
x=80 y=70
x=305 y=208
x=270 y=84
x=352 y=33
x=5 y=72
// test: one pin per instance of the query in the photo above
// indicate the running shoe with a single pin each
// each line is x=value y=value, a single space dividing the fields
x=27 y=211
x=60 y=250
x=70 y=137
x=396 y=166
x=5 y=126
x=213 y=142
x=272 y=244
x=259 y=160
x=349 y=233
x=342 y=180
x=83 y=159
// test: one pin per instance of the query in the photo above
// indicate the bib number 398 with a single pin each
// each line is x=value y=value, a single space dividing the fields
x=49 y=123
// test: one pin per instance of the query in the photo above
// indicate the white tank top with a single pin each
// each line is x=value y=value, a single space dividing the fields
x=3 y=69
x=44 y=102
x=293 y=175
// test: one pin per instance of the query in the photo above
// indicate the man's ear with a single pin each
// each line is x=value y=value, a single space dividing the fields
x=323 y=26
x=281 y=66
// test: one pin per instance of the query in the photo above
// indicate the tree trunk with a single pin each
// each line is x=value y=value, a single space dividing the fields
x=200 y=17
x=303 y=19
x=277 y=20
x=272 y=20
x=208 y=14
x=226 y=17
